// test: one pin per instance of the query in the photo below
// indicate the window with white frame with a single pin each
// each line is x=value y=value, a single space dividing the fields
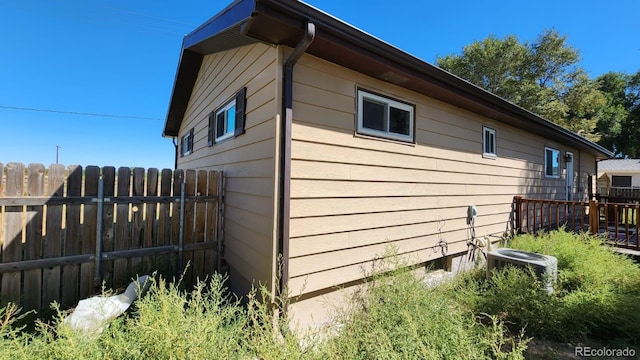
x=186 y=143
x=228 y=120
x=385 y=117
x=225 y=121
x=489 y=145
x=551 y=162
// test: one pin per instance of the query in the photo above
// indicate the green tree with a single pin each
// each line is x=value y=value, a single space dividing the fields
x=620 y=122
x=633 y=120
x=613 y=85
x=585 y=105
x=493 y=64
x=541 y=76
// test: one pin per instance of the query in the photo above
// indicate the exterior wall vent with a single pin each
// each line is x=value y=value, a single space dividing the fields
x=545 y=266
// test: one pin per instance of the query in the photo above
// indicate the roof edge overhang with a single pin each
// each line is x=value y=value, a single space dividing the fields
x=282 y=22
x=619 y=166
x=613 y=171
x=224 y=30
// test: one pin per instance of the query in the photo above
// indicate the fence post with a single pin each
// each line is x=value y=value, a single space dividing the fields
x=517 y=227
x=219 y=222
x=97 y=278
x=594 y=217
x=181 y=226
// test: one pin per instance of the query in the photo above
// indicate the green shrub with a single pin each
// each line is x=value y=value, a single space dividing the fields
x=396 y=317
x=12 y=341
x=393 y=316
x=268 y=333
x=596 y=295
x=518 y=297
x=168 y=323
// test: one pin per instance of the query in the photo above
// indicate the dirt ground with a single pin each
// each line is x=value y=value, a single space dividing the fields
x=550 y=350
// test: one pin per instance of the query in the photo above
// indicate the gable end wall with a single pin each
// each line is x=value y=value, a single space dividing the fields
x=248 y=161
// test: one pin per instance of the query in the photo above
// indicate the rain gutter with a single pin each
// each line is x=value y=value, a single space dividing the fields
x=285 y=152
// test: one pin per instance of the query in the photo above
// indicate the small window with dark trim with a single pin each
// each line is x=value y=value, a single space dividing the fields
x=186 y=143
x=385 y=117
x=621 y=181
x=489 y=144
x=551 y=162
x=228 y=121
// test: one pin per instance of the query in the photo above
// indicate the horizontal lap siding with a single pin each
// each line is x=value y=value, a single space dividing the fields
x=584 y=168
x=248 y=161
x=353 y=196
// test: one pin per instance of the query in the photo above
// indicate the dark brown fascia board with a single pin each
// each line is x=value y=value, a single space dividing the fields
x=297 y=13
x=226 y=26
x=234 y=14
x=283 y=21
x=186 y=76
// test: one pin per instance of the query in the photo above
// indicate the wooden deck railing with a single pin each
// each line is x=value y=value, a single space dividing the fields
x=624 y=193
x=615 y=221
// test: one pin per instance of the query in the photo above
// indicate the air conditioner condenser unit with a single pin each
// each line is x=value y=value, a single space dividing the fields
x=545 y=266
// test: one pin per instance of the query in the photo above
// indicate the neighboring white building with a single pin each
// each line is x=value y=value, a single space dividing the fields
x=618 y=173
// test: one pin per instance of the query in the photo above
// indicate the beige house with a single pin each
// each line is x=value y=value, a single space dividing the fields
x=335 y=144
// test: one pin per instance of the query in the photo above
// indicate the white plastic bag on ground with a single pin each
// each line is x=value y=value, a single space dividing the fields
x=93 y=314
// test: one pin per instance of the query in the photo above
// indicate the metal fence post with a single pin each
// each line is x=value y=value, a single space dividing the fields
x=181 y=227
x=517 y=218
x=594 y=217
x=97 y=278
x=219 y=223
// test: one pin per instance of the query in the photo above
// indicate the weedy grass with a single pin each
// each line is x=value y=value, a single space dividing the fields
x=167 y=323
x=595 y=297
x=396 y=316
x=392 y=316
x=598 y=289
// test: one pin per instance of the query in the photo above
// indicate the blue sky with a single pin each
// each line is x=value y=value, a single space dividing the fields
x=119 y=58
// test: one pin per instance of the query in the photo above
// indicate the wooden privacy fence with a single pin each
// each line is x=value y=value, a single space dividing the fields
x=67 y=231
x=617 y=222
